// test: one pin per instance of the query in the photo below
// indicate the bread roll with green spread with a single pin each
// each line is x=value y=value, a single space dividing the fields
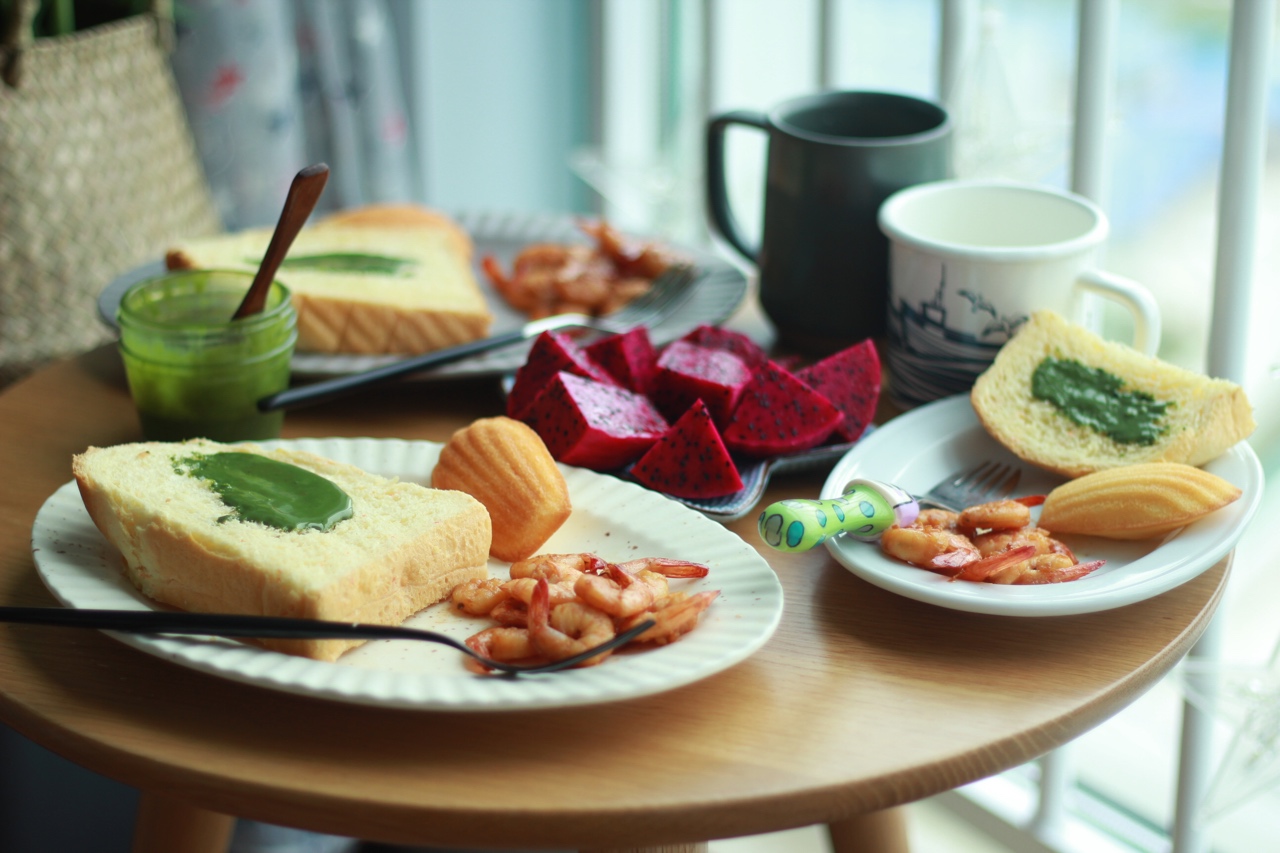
x=1062 y=398
x=391 y=281
x=196 y=529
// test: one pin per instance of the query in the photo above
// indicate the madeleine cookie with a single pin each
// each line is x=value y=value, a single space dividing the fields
x=1135 y=501
x=503 y=463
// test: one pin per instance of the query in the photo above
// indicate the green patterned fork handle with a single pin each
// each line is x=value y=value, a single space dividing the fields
x=866 y=509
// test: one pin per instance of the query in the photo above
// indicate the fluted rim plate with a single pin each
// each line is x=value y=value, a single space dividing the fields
x=921 y=447
x=615 y=519
x=720 y=290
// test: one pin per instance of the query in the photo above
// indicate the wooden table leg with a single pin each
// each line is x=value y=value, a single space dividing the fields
x=165 y=825
x=878 y=832
x=693 y=847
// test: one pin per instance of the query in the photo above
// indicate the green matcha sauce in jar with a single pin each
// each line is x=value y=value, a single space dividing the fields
x=193 y=371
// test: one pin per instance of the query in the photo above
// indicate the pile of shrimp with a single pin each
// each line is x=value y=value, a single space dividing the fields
x=993 y=542
x=556 y=606
x=554 y=278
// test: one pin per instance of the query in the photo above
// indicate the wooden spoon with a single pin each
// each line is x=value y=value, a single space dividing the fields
x=304 y=192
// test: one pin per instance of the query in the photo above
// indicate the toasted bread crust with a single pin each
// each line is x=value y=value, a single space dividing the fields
x=405 y=549
x=1207 y=415
x=438 y=304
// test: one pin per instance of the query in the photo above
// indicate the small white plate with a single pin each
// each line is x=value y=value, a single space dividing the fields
x=616 y=520
x=720 y=289
x=920 y=448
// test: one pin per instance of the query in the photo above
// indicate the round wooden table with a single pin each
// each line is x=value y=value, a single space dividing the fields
x=860 y=702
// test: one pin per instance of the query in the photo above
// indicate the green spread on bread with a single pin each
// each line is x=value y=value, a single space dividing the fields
x=1094 y=398
x=269 y=491
x=349 y=263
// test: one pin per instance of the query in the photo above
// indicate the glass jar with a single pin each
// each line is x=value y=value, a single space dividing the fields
x=195 y=372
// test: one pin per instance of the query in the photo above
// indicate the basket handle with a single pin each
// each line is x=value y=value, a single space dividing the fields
x=17 y=34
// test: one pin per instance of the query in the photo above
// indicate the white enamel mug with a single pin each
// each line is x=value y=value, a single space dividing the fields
x=969 y=261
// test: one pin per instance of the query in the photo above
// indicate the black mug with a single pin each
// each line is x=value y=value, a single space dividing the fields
x=833 y=159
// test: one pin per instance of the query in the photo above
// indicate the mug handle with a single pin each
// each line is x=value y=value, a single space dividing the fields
x=1135 y=298
x=722 y=218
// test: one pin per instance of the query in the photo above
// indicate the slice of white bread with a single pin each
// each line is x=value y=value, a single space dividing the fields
x=428 y=301
x=404 y=548
x=1205 y=417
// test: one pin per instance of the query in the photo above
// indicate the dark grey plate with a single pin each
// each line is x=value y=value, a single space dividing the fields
x=718 y=294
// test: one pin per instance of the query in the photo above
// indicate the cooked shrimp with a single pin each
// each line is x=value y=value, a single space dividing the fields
x=657 y=583
x=512 y=613
x=996 y=515
x=620 y=594
x=558 y=567
x=478 y=596
x=644 y=260
x=567 y=630
x=1045 y=568
x=929 y=548
x=673 y=617
x=665 y=566
x=1002 y=540
x=562 y=592
x=940 y=519
x=505 y=645
x=982 y=569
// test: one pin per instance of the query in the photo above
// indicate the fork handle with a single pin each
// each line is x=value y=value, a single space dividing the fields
x=328 y=389
x=866 y=509
x=206 y=624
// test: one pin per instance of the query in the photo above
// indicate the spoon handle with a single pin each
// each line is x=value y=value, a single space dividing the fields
x=304 y=192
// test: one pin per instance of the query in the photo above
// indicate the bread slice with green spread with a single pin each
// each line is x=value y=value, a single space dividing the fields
x=396 y=283
x=188 y=538
x=1062 y=398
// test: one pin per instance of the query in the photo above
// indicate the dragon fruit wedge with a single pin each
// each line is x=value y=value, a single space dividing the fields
x=851 y=380
x=687 y=372
x=718 y=337
x=551 y=353
x=778 y=415
x=690 y=461
x=592 y=424
x=629 y=358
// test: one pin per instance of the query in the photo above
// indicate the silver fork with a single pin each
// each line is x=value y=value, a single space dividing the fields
x=985 y=482
x=668 y=292
x=259 y=627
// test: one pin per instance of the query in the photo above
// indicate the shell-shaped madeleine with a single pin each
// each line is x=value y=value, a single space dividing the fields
x=1135 y=501
x=503 y=463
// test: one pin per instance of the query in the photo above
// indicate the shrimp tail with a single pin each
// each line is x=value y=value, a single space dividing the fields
x=666 y=566
x=1070 y=573
x=979 y=570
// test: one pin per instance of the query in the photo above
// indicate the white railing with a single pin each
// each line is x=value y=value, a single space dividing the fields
x=1046 y=818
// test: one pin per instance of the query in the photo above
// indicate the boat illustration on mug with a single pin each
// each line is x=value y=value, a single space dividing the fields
x=930 y=359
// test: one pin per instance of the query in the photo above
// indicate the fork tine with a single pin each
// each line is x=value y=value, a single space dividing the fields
x=984 y=482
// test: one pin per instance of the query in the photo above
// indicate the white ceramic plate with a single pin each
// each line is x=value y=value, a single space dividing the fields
x=717 y=295
x=920 y=448
x=614 y=519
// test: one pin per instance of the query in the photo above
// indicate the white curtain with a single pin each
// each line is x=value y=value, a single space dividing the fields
x=271 y=86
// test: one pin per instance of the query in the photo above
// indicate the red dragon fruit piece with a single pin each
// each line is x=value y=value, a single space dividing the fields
x=851 y=380
x=718 y=337
x=551 y=353
x=594 y=425
x=690 y=461
x=779 y=414
x=629 y=358
x=687 y=372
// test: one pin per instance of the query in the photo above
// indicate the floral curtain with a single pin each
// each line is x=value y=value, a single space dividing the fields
x=273 y=85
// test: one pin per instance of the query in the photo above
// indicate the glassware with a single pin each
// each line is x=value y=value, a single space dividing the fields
x=192 y=370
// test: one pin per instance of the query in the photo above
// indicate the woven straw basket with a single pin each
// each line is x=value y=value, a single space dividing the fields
x=98 y=174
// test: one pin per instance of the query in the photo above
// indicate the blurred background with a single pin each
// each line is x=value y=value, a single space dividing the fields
x=598 y=107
